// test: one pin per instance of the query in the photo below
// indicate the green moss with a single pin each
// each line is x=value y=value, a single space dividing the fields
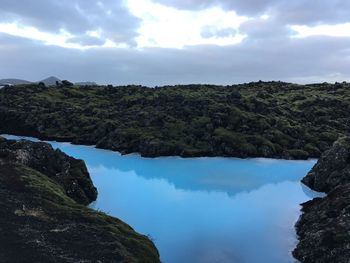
x=298 y=154
x=329 y=136
x=46 y=207
x=183 y=119
x=42 y=186
x=312 y=149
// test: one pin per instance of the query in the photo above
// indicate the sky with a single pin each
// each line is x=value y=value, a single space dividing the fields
x=167 y=42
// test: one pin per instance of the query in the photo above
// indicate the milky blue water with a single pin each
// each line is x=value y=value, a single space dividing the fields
x=202 y=209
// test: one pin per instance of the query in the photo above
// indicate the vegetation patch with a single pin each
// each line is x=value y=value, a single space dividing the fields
x=267 y=119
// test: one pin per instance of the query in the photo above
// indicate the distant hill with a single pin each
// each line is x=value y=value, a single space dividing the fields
x=50 y=81
x=86 y=83
x=13 y=82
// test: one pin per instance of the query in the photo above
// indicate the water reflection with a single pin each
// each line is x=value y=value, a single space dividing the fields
x=203 y=209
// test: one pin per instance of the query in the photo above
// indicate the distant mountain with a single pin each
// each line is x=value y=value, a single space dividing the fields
x=50 y=81
x=86 y=83
x=13 y=81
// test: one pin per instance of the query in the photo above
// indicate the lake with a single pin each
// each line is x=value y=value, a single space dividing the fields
x=202 y=209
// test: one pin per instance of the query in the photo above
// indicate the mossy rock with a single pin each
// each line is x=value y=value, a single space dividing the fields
x=186 y=117
x=40 y=223
x=298 y=154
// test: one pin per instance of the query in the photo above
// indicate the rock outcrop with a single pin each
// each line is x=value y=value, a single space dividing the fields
x=324 y=227
x=68 y=172
x=43 y=217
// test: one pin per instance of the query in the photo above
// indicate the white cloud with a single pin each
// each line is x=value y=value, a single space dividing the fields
x=62 y=39
x=168 y=27
x=30 y=32
x=337 y=30
x=110 y=17
x=161 y=26
x=264 y=17
x=176 y=41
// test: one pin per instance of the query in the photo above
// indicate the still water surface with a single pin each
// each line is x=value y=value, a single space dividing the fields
x=202 y=209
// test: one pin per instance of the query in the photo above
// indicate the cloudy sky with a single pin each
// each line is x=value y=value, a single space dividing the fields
x=157 y=42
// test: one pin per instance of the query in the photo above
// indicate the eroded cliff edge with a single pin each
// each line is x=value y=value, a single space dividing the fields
x=43 y=217
x=324 y=227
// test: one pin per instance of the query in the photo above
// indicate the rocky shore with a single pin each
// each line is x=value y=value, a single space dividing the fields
x=324 y=227
x=261 y=119
x=43 y=215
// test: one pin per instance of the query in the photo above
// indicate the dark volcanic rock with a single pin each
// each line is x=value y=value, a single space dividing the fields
x=332 y=169
x=263 y=119
x=70 y=173
x=324 y=227
x=42 y=221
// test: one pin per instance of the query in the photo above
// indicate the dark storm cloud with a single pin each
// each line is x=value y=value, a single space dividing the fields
x=190 y=4
x=246 y=7
x=276 y=59
x=261 y=29
x=268 y=52
x=287 y=11
x=313 y=12
x=74 y=16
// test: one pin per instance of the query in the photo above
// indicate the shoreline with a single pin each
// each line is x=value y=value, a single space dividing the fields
x=16 y=137
x=46 y=139
x=324 y=225
x=273 y=120
x=45 y=193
